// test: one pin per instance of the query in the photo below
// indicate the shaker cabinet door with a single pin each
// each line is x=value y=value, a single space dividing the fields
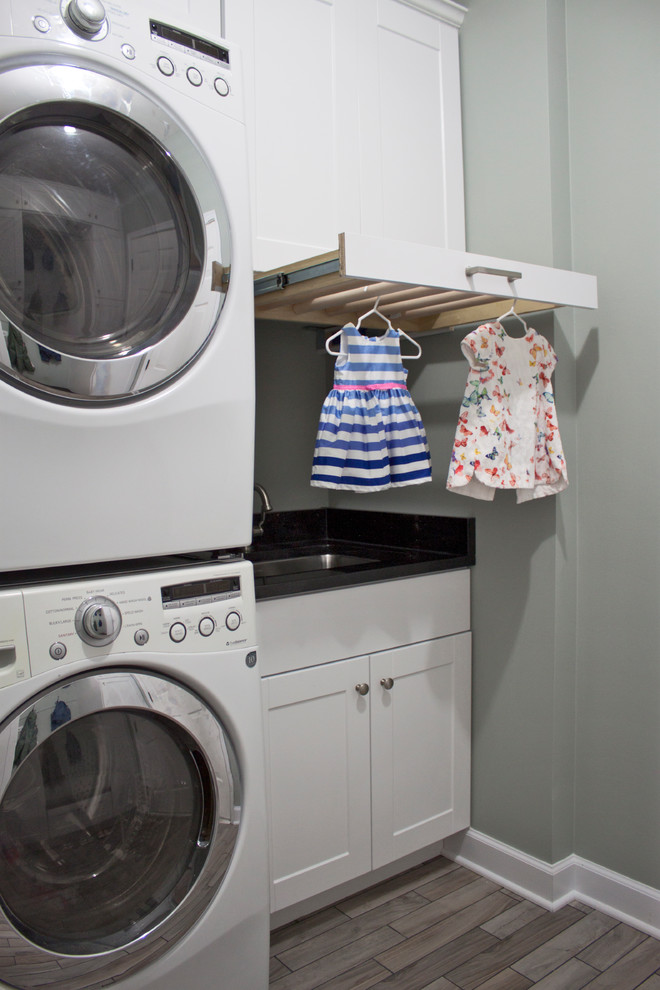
x=420 y=745
x=411 y=151
x=300 y=123
x=317 y=753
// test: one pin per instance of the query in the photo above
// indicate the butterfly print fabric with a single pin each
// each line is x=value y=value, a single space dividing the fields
x=507 y=434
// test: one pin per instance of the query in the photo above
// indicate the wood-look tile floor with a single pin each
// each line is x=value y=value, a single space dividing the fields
x=443 y=927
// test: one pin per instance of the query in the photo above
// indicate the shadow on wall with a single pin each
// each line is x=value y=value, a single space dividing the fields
x=586 y=364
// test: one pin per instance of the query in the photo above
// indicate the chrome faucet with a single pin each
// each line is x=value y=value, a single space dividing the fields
x=265 y=507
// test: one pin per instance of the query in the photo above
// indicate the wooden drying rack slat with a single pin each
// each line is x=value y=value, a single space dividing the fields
x=317 y=291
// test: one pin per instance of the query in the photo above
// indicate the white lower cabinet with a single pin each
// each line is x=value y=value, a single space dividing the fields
x=368 y=760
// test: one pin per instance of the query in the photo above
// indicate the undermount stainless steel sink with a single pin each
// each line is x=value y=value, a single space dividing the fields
x=290 y=566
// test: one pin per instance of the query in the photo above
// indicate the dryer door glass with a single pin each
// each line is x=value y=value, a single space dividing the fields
x=112 y=239
x=108 y=822
x=116 y=243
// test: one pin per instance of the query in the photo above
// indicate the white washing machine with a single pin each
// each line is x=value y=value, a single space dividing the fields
x=126 y=299
x=132 y=807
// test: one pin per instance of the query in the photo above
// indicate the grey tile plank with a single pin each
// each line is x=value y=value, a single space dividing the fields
x=410 y=950
x=510 y=949
x=514 y=895
x=572 y=975
x=440 y=984
x=605 y=952
x=556 y=951
x=507 y=979
x=447 y=883
x=428 y=970
x=400 y=884
x=442 y=908
x=632 y=969
x=352 y=928
x=514 y=919
x=653 y=983
x=276 y=969
x=308 y=927
x=367 y=974
x=340 y=961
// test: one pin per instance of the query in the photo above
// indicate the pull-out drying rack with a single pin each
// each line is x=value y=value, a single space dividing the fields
x=420 y=287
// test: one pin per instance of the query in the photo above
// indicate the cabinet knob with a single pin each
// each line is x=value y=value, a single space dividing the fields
x=387 y=683
x=362 y=688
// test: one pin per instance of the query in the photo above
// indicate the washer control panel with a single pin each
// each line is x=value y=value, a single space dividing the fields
x=203 y=69
x=208 y=608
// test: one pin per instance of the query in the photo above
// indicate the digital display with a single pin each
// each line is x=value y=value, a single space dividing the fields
x=205 y=589
x=194 y=44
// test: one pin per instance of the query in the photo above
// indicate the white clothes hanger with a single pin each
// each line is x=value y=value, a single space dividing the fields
x=374 y=311
x=512 y=312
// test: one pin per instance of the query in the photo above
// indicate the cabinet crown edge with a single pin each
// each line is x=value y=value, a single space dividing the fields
x=443 y=10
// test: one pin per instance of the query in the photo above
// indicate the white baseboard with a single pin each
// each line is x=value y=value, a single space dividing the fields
x=554 y=884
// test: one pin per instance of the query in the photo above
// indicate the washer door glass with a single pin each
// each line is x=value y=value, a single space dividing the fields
x=108 y=248
x=122 y=796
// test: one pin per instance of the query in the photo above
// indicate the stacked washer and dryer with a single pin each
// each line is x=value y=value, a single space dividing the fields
x=132 y=807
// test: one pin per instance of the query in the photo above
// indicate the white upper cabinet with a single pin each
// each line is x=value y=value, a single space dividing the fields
x=353 y=116
x=410 y=144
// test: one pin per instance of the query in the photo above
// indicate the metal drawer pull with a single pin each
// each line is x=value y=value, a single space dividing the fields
x=482 y=270
x=387 y=682
x=362 y=689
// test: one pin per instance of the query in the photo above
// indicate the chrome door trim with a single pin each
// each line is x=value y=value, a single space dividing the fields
x=124 y=376
x=26 y=964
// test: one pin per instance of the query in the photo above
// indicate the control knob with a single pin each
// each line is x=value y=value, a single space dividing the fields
x=98 y=621
x=86 y=17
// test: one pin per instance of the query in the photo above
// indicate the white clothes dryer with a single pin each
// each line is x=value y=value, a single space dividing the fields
x=132 y=800
x=126 y=299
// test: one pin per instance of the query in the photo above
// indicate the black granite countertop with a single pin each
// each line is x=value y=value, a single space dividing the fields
x=336 y=548
x=363 y=547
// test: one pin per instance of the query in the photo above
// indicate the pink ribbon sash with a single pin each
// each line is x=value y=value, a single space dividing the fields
x=370 y=388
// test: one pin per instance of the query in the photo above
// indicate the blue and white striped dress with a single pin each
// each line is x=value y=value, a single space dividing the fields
x=371 y=436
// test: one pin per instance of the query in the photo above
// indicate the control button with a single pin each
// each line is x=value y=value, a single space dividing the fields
x=128 y=51
x=141 y=637
x=221 y=86
x=194 y=76
x=233 y=621
x=165 y=65
x=178 y=632
x=58 y=651
x=41 y=23
x=206 y=625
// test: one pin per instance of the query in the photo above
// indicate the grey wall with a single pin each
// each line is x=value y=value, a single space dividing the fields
x=290 y=376
x=566 y=93
x=560 y=115
x=614 y=76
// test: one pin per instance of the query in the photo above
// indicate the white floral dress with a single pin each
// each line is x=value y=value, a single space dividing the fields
x=507 y=434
